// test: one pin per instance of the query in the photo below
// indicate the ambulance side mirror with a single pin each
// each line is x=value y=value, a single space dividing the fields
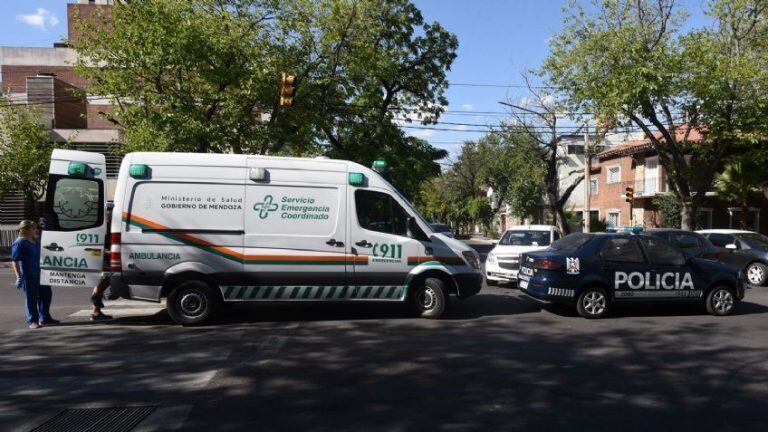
x=731 y=246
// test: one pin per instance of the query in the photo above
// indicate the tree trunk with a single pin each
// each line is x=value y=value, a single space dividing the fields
x=744 y=213
x=687 y=216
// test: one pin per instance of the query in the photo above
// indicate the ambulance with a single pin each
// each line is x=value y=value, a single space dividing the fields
x=202 y=230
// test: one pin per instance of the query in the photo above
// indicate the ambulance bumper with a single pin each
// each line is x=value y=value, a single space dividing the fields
x=468 y=284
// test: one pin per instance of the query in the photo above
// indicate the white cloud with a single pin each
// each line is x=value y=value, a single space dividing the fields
x=468 y=107
x=42 y=19
x=421 y=133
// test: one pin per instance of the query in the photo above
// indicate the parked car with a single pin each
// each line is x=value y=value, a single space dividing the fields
x=502 y=263
x=692 y=244
x=442 y=229
x=743 y=250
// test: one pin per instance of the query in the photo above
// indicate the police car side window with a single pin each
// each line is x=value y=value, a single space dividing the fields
x=622 y=250
x=377 y=211
x=660 y=252
x=685 y=241
x=720 y=240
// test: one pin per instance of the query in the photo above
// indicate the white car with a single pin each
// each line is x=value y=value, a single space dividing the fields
x=503 y=261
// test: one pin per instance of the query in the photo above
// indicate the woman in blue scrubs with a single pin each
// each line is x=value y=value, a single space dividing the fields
x=25 y=256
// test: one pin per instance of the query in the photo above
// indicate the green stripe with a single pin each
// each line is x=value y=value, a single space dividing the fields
x=295 y=292
x=331 y=292
x=228 y=291
x=319 y=293
x=241 y=292
x=255 y=292
x=343 y=293
x=378 y=292
x=367 y=291
x=307 y=290
x=267 y=292
x=280 y=292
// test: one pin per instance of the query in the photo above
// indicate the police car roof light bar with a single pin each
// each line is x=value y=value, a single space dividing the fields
x=625 y=229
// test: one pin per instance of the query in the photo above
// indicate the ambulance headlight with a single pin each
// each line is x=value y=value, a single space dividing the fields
x=491 y=259
x=472 y=259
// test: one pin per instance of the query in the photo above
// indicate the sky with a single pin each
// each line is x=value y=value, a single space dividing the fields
x=498 y=41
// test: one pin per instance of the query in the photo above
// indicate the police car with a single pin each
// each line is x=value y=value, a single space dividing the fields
x=593 y=271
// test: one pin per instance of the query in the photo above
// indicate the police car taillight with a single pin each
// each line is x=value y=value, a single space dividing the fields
x=115 y=262
x=546 y=264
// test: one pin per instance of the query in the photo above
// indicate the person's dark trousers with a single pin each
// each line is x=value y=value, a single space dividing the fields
x=44 y=297
x=31 y=294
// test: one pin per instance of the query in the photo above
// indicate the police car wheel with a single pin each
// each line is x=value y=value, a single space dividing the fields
x=592 y=303
x=193 y=303
x=721 y=301
x=757 y=274
x=430 y=299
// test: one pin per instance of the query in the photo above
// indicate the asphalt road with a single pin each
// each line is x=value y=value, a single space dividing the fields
x=497 y=362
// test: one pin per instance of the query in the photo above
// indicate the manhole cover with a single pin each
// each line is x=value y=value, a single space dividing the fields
x=115 y=419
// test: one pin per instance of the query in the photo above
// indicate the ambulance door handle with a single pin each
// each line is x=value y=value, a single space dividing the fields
x=333 y=242
x=54 y=247
x=364 y=243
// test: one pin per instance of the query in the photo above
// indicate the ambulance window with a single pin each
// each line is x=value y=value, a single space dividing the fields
x=622 y=250
x=660 y=252
x=73 y=204
x=379 y=212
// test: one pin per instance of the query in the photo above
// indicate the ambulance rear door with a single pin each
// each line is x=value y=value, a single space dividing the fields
x=74 y=220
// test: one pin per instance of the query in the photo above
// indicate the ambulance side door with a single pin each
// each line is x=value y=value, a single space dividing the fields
x=75 y=226
x=380 y=245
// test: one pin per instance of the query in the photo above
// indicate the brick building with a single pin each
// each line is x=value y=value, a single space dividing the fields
x=636 y=164
x=45 y=77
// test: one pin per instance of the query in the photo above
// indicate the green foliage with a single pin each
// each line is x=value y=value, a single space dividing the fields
x=738 y=181
x=25 y=151
x=197 y=75
x=669 y=208
x=632 y=59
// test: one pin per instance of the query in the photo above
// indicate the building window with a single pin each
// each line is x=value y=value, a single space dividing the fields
x=613 y=174
x=593 y=186
x=704 y=218
x=651 y=176
x=753 y=223
x=614 y=218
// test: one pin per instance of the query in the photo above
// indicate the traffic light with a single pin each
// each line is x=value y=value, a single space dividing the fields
x=286 y=89
x=630 y=194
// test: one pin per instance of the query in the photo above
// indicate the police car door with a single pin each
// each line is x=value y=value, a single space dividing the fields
x=669 y=275
x=380 y=245
x=624 y=266
x=74 y=227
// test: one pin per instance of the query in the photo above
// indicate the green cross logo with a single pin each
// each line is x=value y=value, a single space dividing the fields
x=265 y=207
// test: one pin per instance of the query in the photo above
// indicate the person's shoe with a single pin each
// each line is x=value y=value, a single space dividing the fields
x=101 y=317
x=34 y=326
x=50 y=321
x=97 y=301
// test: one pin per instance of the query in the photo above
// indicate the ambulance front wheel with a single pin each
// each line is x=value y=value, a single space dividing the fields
x=593 y=303
x=193 y=303
x=430 y=298
x=721 y=301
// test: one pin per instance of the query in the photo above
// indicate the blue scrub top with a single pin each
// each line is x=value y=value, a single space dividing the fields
x=28 y=254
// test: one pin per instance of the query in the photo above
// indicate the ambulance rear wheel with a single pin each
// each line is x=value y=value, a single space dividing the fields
x=721 y=301
x=193 y=303
x=593 y=303
x=430 y=298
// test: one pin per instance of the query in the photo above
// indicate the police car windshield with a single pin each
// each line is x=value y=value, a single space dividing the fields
x=571 y=242
x=525 y=238
x=755 y=240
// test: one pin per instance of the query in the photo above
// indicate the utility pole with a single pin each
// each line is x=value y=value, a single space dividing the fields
x=587 y=177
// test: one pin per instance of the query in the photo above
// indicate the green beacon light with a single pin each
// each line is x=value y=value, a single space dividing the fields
x=77 y=169
x=379 y=165
x=139 y=171
x=356 y=179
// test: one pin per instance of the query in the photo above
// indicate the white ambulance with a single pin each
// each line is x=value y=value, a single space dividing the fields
x=205 y=229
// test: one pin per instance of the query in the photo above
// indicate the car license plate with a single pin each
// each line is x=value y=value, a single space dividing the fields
x=526 y=271
x=523 y=284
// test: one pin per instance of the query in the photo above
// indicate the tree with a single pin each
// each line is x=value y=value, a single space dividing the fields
x=629 y=59
x=25 y=152
x=511 y=166
x=737 y=182
x=201 y=75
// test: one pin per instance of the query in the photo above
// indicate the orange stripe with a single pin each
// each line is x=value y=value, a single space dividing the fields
x=201 y=242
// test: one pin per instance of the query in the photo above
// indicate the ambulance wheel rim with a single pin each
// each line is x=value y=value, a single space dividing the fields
x=594 y=303
x=723 y=301
x=192 y=303
x=427 y=298
x=755 y=274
